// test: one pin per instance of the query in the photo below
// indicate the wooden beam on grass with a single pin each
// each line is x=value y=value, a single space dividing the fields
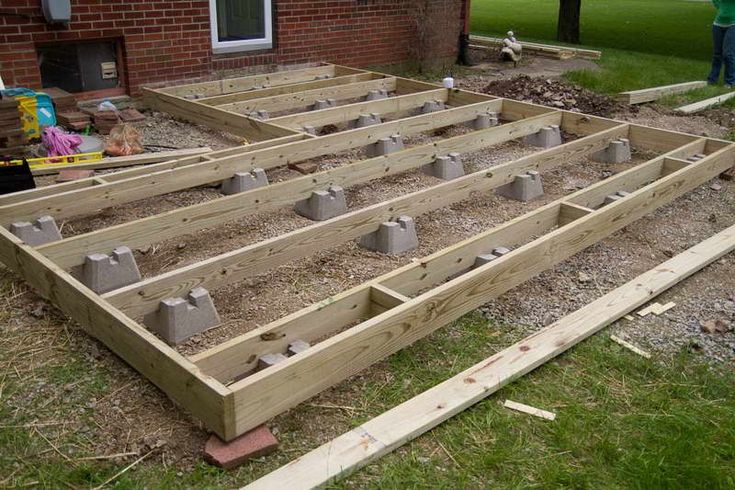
x=705 y=104
x=379 y=436
x=560 y=52
x=655 y=93
x=329 y=362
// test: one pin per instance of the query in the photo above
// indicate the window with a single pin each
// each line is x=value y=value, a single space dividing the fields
x=240 y=25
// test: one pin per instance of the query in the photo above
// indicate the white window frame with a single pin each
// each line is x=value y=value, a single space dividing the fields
x=219 y=47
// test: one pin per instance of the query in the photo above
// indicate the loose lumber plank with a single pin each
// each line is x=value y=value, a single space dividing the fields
x=325 y=364
x=705 y=104
x=393 y=428
x=630 y=346
x=169 y=180
x=181 y=380
x=654 y=93
x=561 y=52
x=528 y=409
x=125 y=161
x=350 y=112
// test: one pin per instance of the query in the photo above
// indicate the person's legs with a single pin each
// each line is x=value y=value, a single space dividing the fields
x=728 y=55
x=718 y=37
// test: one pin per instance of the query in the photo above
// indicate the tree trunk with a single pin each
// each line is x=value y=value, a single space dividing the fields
x=568 y=26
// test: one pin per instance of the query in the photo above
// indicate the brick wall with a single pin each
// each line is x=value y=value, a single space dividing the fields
x=165 y=40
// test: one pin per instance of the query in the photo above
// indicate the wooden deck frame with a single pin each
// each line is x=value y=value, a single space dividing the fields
x=393 y=310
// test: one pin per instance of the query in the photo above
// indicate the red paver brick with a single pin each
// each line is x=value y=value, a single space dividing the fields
x=258 y=442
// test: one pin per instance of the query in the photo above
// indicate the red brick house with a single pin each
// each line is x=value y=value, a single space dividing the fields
x=115 y=46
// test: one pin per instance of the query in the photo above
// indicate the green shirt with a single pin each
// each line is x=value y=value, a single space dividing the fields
x=725 y=12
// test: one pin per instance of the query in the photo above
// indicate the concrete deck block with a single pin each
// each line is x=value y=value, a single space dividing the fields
x=386 y=145
x=618 y=151
x=377 y=94
x=102 y=273
x=546 y=137
x=323 y=205
x=259 y=114
x=245 y=181
x=696 y=158
x=525 y=187
x=252 y=444
x=447 y=167
x=43 y=230
x=432 y=106
x=177 y=319
x=325 y=104
x=297 y=347
x=368 y=120
x=393 y=237
x=268 y=360
x=615 y=197
x=309 y=129
x=483 y=259
x=487 y=120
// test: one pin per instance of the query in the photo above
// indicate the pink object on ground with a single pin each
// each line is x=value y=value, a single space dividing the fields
x=258 y=442
x=58 y=142
x=68 y=175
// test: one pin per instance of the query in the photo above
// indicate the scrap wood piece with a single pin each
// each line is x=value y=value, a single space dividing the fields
x=656 y=308
x=655 y=93
x=705 y=104
x=630 y=347
x=425 y=411
x=537 y=412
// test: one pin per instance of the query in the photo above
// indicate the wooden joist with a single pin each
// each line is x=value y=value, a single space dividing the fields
x=390 y=430
x=655 y=93
x=705 y=104
x=560 y=52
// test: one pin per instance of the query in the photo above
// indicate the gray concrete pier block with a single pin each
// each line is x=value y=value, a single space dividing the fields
x=297 y=347
x=696 y=158
x=244 y=181
x=259 y=114
x=376 y=95
x=486 y=120
x=103 y=273
x=43 y=230
x=323 y=205
x=393 y=237
x=309 y=129
x=177 y=319
x=483 y=259
x=432 y=106
x=618 y=151
x=367 y=120
x=546 y=137
x=615 y=197
x=386 y=145
x=447 y=167
x=525 y=187
x=325 y=104
x=268 y=360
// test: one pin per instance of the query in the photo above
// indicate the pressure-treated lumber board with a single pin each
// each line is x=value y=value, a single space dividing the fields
x=230 y=359
x=181 y=380
x=288 y=89
x=655 y=93
x=157 y=183
x=303 y=99
x=351 y=112
x=325 y=364
x=216 y=117
x=395 y=427
x=144 y=297
x=562 y=52
x=70 y=252
x=125 y=161
x=705 y=104
x=239 y=84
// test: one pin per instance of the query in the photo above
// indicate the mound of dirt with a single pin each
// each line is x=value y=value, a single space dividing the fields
x=558 y=94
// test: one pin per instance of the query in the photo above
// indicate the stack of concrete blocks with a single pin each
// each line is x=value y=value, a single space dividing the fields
x=260 y=114
x=43 y=230
x=324 y=104
x=525 y=187
x=376 y=95
x=386 y=145
x=392 y=237
x=365 y=120
x=614 y=197
x=323 y=205
x=483 y=259
x=617 y=151
x=485 y=120
x=177 y=319
x=546 y=137
x=447 y=167
x=103 y=273
x=432 y=106
x=244 y=181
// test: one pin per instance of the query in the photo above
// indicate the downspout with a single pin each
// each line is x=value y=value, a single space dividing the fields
x=464 y=36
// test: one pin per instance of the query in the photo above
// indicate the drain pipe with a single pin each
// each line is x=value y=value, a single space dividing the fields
x=464 y=36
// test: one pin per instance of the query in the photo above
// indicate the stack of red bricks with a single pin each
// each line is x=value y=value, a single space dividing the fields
x=67 y=113
x=12 y=136
x=104 y=121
